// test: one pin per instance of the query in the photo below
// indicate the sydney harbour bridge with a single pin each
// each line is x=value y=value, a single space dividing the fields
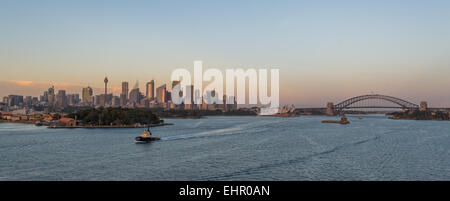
x=373 y=101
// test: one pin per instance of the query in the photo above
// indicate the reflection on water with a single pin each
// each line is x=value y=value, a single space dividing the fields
x=232 y=148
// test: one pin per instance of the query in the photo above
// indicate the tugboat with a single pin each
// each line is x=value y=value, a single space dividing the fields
x=146 y=136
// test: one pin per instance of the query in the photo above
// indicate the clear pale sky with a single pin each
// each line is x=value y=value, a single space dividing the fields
x=325 y=50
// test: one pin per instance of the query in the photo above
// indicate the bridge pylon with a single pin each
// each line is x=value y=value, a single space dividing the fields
x=423 y=106
x=330 y=109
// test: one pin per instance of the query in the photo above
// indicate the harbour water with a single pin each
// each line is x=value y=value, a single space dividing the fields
x=232 y=148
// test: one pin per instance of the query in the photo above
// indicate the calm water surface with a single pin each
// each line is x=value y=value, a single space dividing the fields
x=232 y=148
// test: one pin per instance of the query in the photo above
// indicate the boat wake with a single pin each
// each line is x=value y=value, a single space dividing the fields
x=223 y=131
x=263 y=166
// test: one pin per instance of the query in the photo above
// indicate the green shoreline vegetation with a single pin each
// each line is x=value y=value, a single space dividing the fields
x=115 y=116
x=421 y=115
x=144 y=116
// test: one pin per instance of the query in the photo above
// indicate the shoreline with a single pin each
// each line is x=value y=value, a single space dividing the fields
x=113 y=126
x=412 y=119
x=86 y=126
x=17 y=122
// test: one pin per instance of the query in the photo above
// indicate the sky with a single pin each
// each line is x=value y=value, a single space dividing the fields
x=325 y=50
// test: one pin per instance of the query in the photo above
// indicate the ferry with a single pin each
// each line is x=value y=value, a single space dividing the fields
x=146 y=136
x=285 y=111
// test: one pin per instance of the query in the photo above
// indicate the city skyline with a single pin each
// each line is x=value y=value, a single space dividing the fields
x=328 y=50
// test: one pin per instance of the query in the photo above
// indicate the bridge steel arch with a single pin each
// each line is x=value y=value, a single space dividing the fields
x=402 y=103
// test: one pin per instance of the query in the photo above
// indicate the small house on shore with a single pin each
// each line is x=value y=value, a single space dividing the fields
x=67 y=122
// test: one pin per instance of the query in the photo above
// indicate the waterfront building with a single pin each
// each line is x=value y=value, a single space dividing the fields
x=67 y=122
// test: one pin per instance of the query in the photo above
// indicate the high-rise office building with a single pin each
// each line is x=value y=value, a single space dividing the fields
x=5 y=100
x=73 y=99
x=51 y=96
x=28 y=101
x=135 y=96
x=51 y=90
x=224 y=102
x=44 y=97
x=189 y=99
x=175 y=83
x=87 y=94
x=123 y=99
x=161 y=94
x=150 y=90
x=106 y=99
x=125 y=89
x=35 y=101
x=61 y=100
x=15 y=100
x=97 y=99
x=115 y=101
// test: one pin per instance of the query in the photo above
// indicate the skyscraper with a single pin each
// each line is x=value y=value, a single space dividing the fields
x=87 y=94
x=135 y=96
x=44 y=97
x=51 y=96
x=125 y=89
x=28 y=101
x=161 y=94
x=124 y=95
x=115 y=101
x=123 y=99
x=51 y=90
x=175 y=83
x=150 y=91
x=189 y=99
x=14 y=100
x=61 y=100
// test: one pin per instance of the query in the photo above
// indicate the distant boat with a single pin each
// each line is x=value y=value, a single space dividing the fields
x=285 y=111
x=146 y=136
x=360 y=117
x=343 y=120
